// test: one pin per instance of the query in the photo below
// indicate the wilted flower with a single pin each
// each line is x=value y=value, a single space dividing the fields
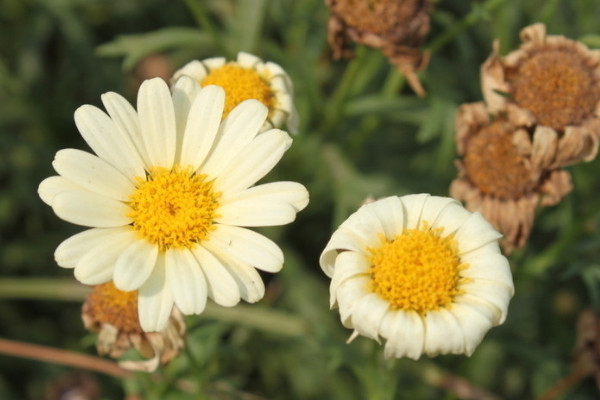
x=397 y=27
x=552 y=85
x=113 y=314
x=504 y=174
x=421 y=272
x=169 y=196
x=248 y=77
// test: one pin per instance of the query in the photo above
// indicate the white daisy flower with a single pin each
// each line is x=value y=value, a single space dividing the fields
x=168 y=197
x=421 y=272
x=248 y=77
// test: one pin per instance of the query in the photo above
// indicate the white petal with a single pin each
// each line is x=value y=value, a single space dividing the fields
x=90 y=209
x=249 y=247
x=186 y=281
x=96 y=266
x=391 y=216
x=202 y=126
x=248 y=60
x=127 y=121
x=434 y=206
x=135 y=265
x=213 y=63
x=347 y=265
x=155 y=301
x=256 y=212
x=247 y=278
x=342 y=239
x=491 y=292
x=70 y=251
x=413 y=204
x=157 y=122
x=474 y=233
x=473 y=324
x=290 y=192
x=443 y=334
x=365 y=226
x=194 y=69
x=405 y=334
x=235 y=133
x=451 y=218
x=492 y=267
x=54 y=185
x=184 y=91
x=93 y=174
x=349 y=294
x=368 y=315
x=222 y=288
x=108 y=141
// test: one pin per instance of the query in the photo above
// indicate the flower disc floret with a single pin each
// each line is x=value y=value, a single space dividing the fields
x=109 y=305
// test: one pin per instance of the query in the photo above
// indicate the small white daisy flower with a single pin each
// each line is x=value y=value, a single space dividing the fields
x=168 y=197
x=421 y=272
x=248 y=77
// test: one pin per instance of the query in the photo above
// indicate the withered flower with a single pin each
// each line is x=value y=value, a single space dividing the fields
x=552 y=85
x=397 y=27
x=503 y=173
x=113 y=314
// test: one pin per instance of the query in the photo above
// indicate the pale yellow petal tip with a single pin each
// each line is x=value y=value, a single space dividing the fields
x=412 y=324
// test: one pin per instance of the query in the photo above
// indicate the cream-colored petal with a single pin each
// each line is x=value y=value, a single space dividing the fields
x=157 y=122
x=96 y=266
x=434 y=206
x=93 y=173
x=474 y=233
x=249 y=247
x=342 y=239
x=222 y=288
x=249 y=282
x=349 y=294
x=248 y=60
x=134 y=265
x=451 y=218
x=494 y=293
x=365 y=225
x=194 y=69
x=214 y=63
x=127 y=121
x=413 y=205
x=186 y=281
x=155 y=301
x=107 y=141
x=405 y=334
x=390 y=213
x=90 y=209
x=254 y=161
x=348 y=264
x=290 y=192
x=368 y=315
x=490 y=312
x=473 y=324
x=184 y=91
x=202 y=126
x=235 y=133
x=54 y=185
x=70 y=251
x=443 y=334
x=256 y=212
x=491 y=266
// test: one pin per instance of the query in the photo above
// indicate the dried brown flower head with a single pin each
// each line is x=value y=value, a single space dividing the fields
x=551 y=84
x=397 y=27
x=503 y=173
x=113 y=314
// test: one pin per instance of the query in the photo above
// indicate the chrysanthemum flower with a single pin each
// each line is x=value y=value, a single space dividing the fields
x=113 y=314
x=504 y=174
x=397 y=27
x=421 y=272
x=552 y=85
x=168 y=196
x=248 y=77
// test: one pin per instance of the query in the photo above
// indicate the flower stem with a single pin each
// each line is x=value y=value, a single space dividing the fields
x=564 y=384
x=42 y=289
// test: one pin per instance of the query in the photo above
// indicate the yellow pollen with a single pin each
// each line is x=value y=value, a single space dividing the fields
x=240 y=84
x=107 y=304
x=173 y=209
x=557 y=86
x=494 y=165
x=417 y=271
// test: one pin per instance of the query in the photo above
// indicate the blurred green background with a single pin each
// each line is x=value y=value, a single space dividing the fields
x=363 y=132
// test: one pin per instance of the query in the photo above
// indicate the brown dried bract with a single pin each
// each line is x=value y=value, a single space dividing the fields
x=113 y=315
x=503 y=173
x=587 y=348
x=397 y=27
x=551 y=84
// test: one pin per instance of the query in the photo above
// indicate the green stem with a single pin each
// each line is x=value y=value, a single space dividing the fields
x=42 y=289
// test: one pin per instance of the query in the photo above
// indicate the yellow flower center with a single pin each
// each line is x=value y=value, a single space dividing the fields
x=173 y=208
x=109 y=305
x=557 y=86
x=240 y=84
x=494 y=165
x=417 y=271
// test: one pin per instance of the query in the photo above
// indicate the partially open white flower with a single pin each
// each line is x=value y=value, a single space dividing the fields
x=421 y=272
x=168 y=197
x=248 y=77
